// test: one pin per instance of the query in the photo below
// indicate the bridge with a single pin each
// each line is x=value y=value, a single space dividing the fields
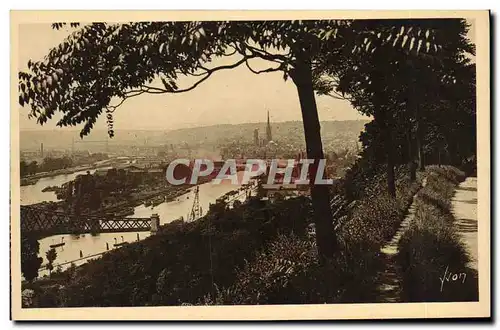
x=45 y=223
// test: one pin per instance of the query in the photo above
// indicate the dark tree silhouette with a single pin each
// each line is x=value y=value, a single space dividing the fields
x=51 y=256
x=405 y=93
x=101 y=65
x=30 y=261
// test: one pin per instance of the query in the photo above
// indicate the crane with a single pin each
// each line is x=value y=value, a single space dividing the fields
x=196 y=211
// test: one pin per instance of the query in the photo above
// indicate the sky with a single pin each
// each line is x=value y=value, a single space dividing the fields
x=228 y=97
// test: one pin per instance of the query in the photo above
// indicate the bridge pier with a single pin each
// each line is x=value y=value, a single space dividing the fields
x=155 y=223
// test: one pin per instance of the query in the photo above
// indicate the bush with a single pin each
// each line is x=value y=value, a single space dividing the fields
x=183 y=262
x=287 y=271
x=255 y=253
x=431 y=246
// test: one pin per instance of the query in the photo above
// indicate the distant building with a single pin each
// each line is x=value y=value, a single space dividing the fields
x=101 y=171
x=273 y=191
x=256 y=137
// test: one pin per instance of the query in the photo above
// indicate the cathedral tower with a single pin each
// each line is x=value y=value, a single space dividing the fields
x=269 y=136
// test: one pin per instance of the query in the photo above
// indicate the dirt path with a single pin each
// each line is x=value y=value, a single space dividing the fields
x=464 y=209
x=389 y=288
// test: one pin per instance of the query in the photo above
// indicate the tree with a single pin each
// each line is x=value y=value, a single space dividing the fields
x=51 y=256
x=30 y=261
x=101 y=65
x=399 y=90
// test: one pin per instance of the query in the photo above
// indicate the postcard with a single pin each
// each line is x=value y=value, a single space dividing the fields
x=250 y=165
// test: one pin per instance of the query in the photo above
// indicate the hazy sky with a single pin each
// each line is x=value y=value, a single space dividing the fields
x=232 y=96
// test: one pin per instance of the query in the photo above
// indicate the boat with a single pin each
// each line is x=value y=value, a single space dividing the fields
x=121 y=243
x=147 y=203
x=50 y=188
x=52 y=246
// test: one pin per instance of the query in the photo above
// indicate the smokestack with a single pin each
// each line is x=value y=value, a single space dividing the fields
x=41 y=149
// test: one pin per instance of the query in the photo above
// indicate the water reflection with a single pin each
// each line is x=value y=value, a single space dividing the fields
x=33 y=194
x=169 y=211
x=89 y=245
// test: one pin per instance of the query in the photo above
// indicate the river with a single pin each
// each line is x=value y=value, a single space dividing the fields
x=88 y=245
x=33 y=194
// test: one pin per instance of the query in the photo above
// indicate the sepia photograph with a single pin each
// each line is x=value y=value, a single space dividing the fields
x=250 y=165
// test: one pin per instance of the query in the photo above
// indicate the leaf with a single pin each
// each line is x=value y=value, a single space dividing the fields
x=328 y=34
x=202 y=32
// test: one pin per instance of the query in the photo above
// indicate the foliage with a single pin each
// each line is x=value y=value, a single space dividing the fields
x=30 y=262
x=412 y=99
x=431 y=245
x=287 y=270
x=51 y=256
x=92 y=192
x=282 y=273
x=100 y=66
x=49 y=164
x=99 y=61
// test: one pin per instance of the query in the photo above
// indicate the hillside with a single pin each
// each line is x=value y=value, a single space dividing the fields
x=291 y=131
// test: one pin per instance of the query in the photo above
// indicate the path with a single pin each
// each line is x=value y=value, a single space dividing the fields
x=464 y=209
x=388 y=289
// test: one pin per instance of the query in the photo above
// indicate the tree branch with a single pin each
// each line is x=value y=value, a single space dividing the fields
x=338 y=96
x=112 y=108
x=263 y=71
x=209 y=72
x=232 y=53
x=266 y=55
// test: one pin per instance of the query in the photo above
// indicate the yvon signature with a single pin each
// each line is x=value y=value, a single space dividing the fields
x=449 y=276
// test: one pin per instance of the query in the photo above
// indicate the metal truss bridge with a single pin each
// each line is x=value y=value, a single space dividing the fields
x=43 y=222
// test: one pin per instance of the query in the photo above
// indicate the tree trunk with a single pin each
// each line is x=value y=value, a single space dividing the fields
x=420 y=137
x=411 y=161
x=325 y=237
x=419 y=134
x=381 y=120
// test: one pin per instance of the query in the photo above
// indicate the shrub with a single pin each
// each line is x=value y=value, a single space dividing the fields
x=431 y=246
x=287 y=271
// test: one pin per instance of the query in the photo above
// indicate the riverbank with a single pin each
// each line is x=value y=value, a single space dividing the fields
x=32 y=179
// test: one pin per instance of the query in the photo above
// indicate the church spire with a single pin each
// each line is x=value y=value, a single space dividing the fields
x=268 y=129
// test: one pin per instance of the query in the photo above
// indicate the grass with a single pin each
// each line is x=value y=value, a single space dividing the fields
x=181 y=265
x=287 y=271
x=431 y=247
